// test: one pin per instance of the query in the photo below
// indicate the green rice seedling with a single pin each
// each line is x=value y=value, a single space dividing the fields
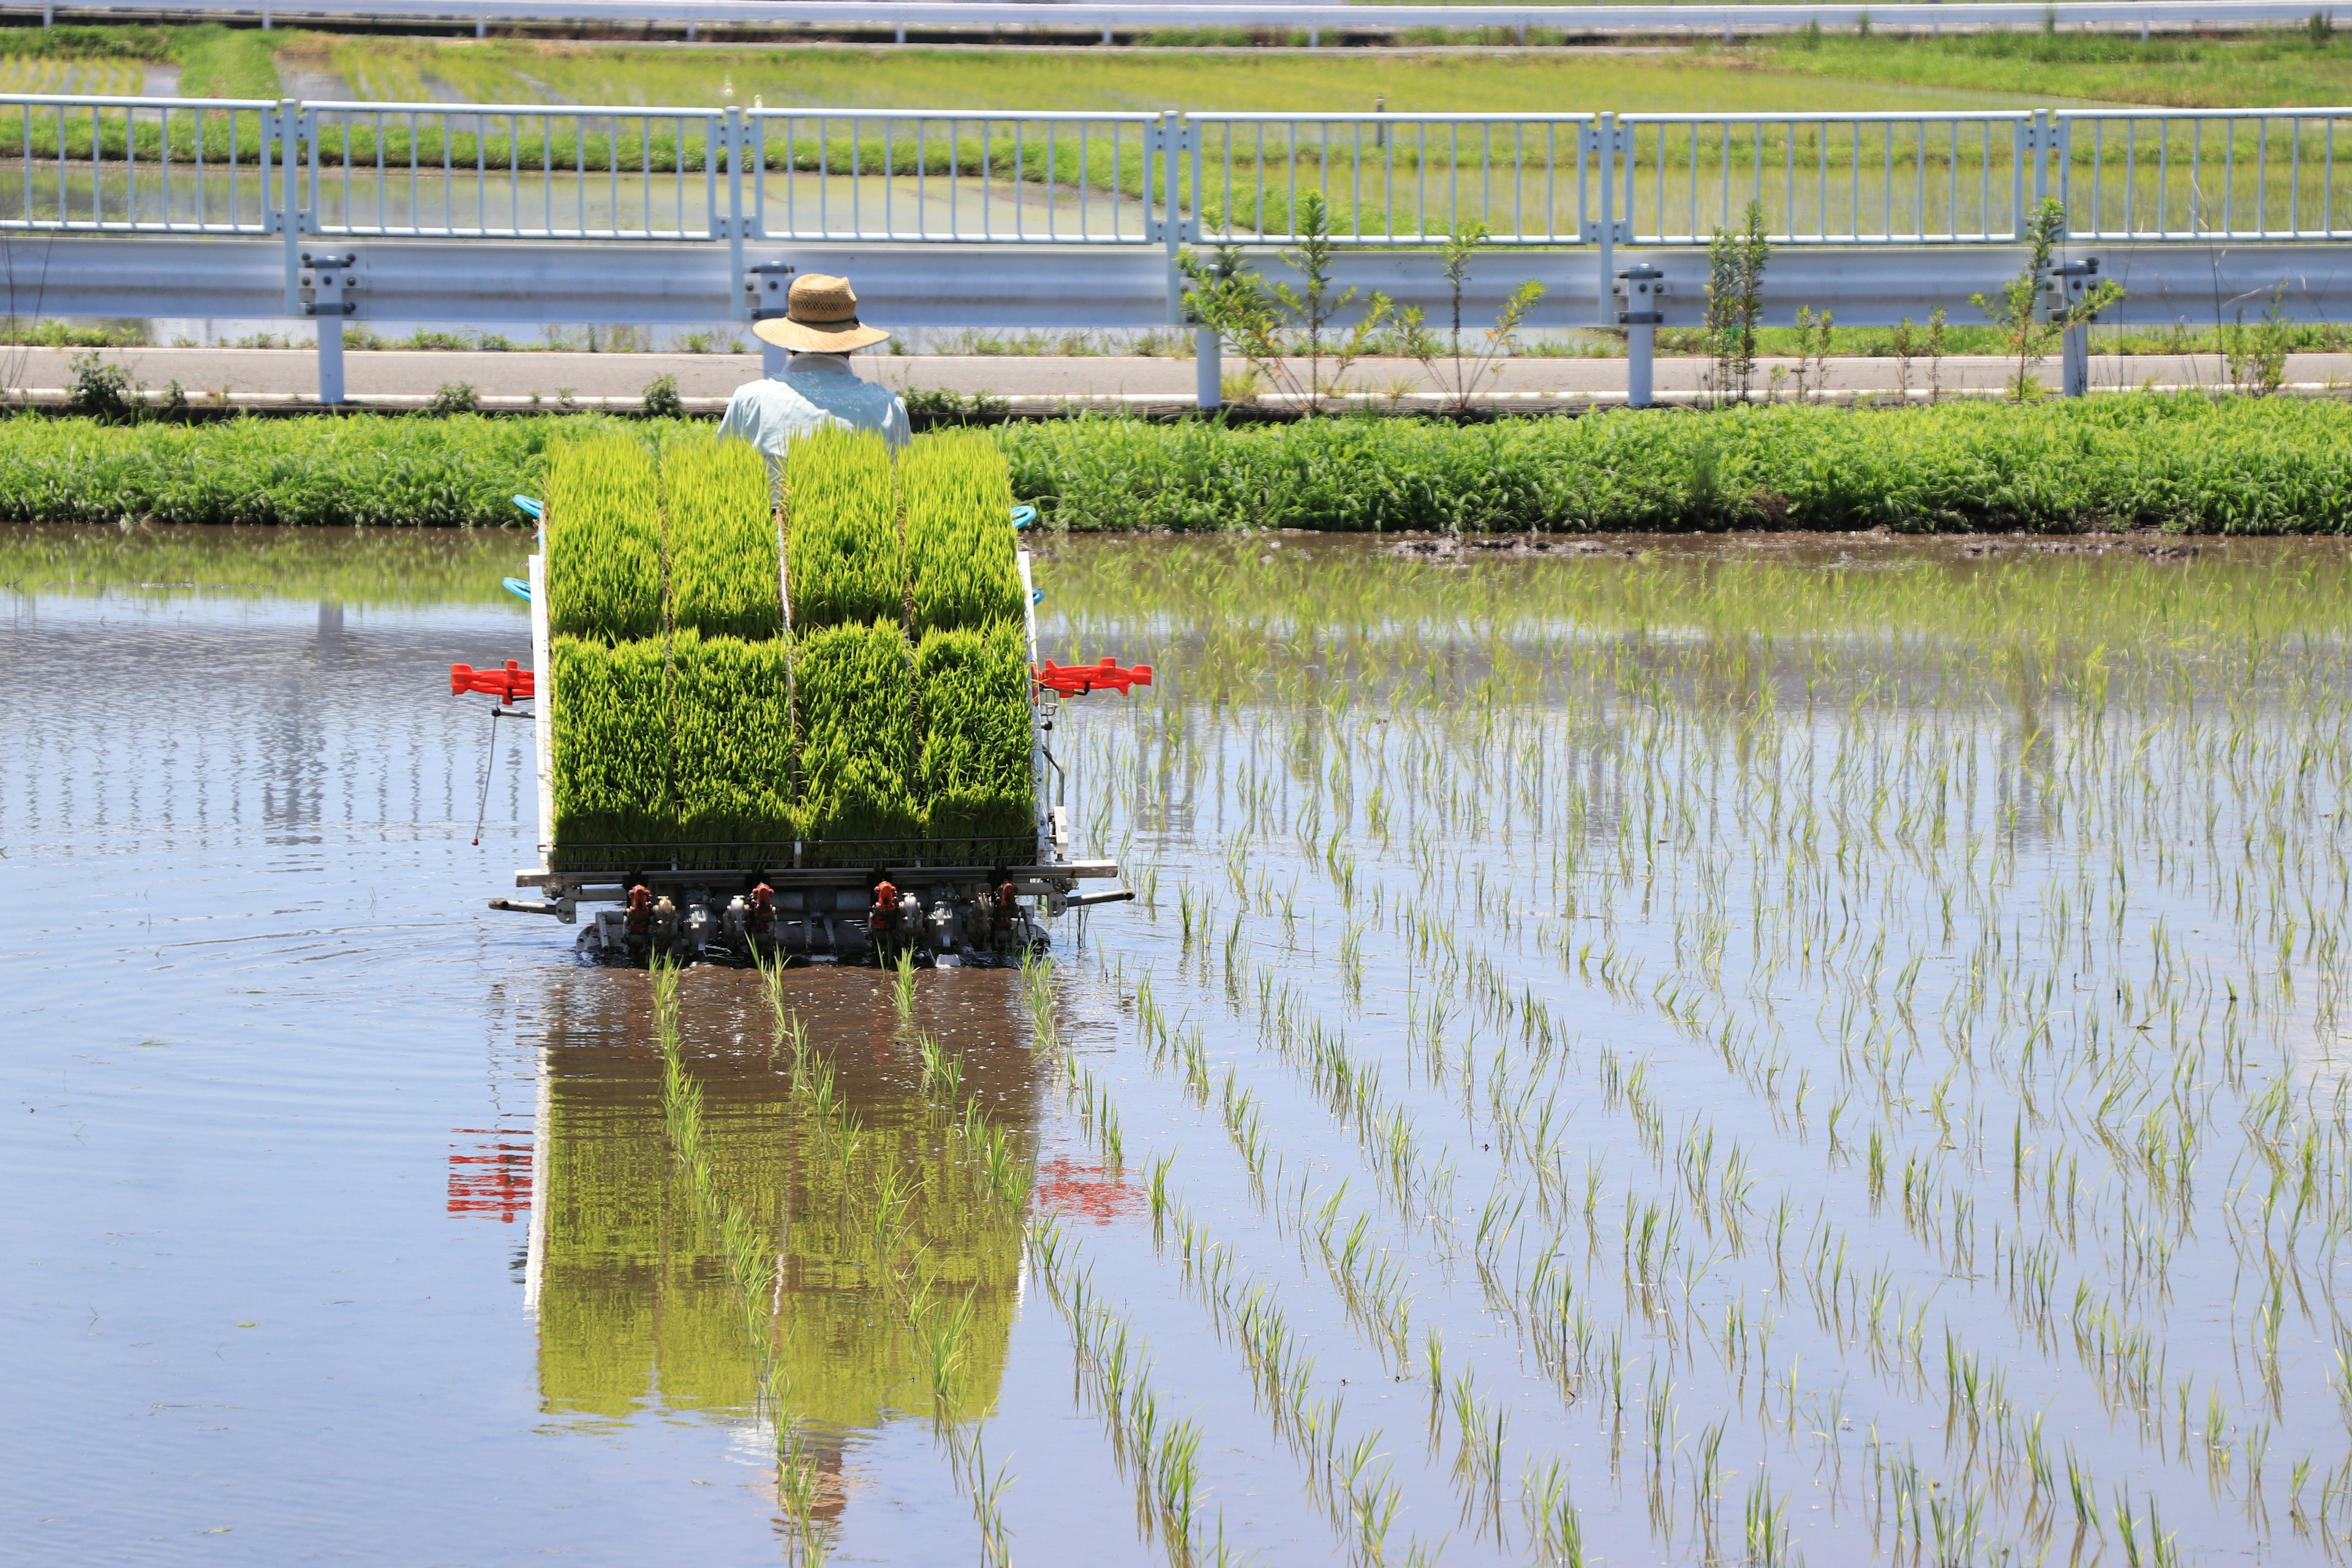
x=853 y=686
x=959 y=552
x=612 y=783
x=973 y=767
x=902 y=996
x=603 y=540
x=730 y=741
x=848 y=562
x=720 y=534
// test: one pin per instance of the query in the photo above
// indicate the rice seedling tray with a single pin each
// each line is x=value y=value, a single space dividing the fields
x=887 y=753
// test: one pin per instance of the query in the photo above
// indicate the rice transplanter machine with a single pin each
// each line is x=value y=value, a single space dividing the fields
x=771 y=902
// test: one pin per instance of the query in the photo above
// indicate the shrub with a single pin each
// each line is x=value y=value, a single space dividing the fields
x=603 y=540
x=611 y=746
x=721 y=539
x=853 y=687
x=973 y=770
x=660 y=400
x=848 y=563
x=959 y=553
x=731 y=740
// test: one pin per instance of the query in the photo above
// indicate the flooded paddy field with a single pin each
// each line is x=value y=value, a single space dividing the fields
x=1740 y=1050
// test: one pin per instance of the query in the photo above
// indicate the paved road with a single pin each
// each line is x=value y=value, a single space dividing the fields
x=398 y=378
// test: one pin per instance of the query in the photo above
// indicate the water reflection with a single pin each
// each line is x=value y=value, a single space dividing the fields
x=637 y=1309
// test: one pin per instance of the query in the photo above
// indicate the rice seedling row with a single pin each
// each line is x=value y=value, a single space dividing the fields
x=1895 y=1013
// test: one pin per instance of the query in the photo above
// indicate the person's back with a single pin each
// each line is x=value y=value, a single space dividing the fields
x=818 y=389
x=815 y=392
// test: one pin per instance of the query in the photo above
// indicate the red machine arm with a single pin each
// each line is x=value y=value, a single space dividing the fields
x=1077 y=680
x=506 y=685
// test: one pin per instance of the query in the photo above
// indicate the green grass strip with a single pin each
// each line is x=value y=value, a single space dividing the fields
x=960 y=552
x=2187 y=463
x=603 y=540
x=721 y=538
x=731 y=740
x=612 y=744
x=848 y=562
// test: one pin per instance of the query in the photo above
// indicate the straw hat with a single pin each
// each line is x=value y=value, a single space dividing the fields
x=820 y=317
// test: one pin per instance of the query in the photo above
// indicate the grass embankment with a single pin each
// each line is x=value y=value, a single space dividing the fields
x=1832 y=72
x=213 y=61
x=1836 y=73
x=2128 y=460
x=2183 y=463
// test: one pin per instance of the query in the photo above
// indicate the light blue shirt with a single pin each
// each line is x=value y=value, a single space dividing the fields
x=816 y=390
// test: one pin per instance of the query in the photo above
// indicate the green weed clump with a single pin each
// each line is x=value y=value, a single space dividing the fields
x=959 y=553
x=855 y=687
x=721 y=538
x=848 y=562
x=603 y=540
x=974 y=763
x=2186 y=462
x=731 y=740
x=612 y=744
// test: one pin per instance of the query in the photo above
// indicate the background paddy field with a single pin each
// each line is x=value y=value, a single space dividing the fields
x=1837 y=73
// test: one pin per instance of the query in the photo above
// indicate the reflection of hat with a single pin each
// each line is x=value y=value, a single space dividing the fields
x=820 y=317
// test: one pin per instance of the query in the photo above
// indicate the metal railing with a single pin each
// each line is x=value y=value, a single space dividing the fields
x=526 y=172
x=1308 y=21
x=512 y=171
x=2206 y=173
x=892 y=175
x=1841 y=178
x=155 y=165
x=1391 y=179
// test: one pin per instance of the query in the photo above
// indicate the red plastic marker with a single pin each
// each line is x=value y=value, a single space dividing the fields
x=1077 y=680
x=506 y=685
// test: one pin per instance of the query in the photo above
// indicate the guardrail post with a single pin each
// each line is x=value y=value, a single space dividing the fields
x=767 y=287
x=1605 y=137
x=735 y=138
x=326 y=299
x=2040 y=156
x=2063 y=288
x=1637 y=292
x=286 y=130
x=1171 y=222
x=1208 y=358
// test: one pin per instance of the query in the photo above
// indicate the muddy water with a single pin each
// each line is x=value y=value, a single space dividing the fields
x=1689 y=1020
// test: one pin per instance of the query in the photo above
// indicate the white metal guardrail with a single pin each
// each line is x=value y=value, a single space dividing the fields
x=492 y=213
x=1391 y=179
x=898 y=175
x=1313 y=20
x=681 y=176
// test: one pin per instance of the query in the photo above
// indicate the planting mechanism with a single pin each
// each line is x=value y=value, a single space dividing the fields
x=820 y=902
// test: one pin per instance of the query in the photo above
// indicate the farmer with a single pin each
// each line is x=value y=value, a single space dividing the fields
x=819 y=328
